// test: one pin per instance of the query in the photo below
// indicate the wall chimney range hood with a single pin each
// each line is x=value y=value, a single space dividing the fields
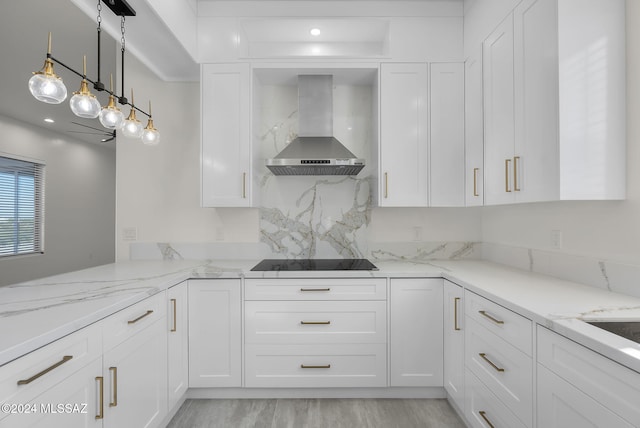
x=315 y=151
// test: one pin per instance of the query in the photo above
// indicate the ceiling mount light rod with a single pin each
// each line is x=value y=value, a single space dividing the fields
x=47 y=87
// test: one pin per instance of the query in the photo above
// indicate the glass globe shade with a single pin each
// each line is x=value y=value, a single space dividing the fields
x=110 y=116
x=150 y=135
x=86 y=106
x=47 y=88
x=132 y=128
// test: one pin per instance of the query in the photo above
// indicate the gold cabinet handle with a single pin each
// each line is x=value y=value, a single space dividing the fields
x=45 y=371
x=506 y=175
x=495 y=320
x=114 y=377
x=149 y=312
x=386 y=185
x=315 y=322
x=100 y=414
x=484 y=357
x=475 y=181
x=244 y=185
x=516 y=159
x=484 y=416
x=315 y=289
x=175 y=310
x=304 y=366
x=456 y=300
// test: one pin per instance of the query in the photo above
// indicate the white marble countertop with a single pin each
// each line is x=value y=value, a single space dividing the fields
x=35 y=313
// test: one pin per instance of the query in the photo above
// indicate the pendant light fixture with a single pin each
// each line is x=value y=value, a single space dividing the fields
x=45 y=85
x=110 y=116
x=83 y=103
x=132 y=127
x=150 y=135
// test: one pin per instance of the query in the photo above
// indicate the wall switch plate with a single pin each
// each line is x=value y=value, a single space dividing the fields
x=556 y=239
x=129 y=233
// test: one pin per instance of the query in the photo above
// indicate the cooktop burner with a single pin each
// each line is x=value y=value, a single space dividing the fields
x=314 y=264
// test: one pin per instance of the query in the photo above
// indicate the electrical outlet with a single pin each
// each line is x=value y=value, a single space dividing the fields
x=129 y=233
x=417 y=233
x=556 y=239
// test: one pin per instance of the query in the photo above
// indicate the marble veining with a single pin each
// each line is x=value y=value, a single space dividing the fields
x=418 y=252
x=168 y=252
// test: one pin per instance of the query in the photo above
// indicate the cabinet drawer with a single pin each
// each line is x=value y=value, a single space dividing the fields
x=505 y=370
x=51 y=363
x=316 y=289
x=613 y=385
x=514 y=328
x=127 y=322
x=316 y=366
x=315 y=322
x=483 y=408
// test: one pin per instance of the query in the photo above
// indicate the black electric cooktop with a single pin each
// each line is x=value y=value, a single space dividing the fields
x=314 y=264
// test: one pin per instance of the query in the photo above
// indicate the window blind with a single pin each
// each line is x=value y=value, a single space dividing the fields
x=21 y=207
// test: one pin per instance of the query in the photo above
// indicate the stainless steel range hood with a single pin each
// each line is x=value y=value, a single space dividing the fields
x=315 y=151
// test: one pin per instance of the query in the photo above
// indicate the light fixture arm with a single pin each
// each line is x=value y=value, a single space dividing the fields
x=98 y=85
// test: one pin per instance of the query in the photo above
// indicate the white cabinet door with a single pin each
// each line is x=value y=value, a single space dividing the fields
x=71 y=403
x=497 y=62
x=454 y=342
x=474 y=130
x=215 y=356
x=415 y=338
x=403 y=135
x=446 y=126
x=135 y=379
x=536 y=160
x=177 y=343
x=562 y=405
x=226 y=135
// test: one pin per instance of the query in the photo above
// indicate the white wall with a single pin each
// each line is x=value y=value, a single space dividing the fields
x=158 y=188
x=609 y=230
x=79 y=201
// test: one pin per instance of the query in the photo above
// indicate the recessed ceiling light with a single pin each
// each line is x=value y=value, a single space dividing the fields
x=49 y=120
x=315 y=32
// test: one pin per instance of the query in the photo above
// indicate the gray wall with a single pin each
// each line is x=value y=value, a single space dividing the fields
x=79 y=201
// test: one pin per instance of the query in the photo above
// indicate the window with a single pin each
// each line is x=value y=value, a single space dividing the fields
x=21 y=207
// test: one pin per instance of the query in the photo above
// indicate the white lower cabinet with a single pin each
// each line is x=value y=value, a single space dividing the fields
x=484 y=410
x=135 y=370
x=579 y=387
x=215 y=334
x=562 y=405
x=454 y=343
x=315 y=333
x=177 y=344
x=415 y=337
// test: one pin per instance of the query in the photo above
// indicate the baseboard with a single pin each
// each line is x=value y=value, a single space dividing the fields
x=265 y=393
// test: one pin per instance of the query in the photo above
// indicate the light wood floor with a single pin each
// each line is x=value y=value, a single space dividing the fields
x=316 y=413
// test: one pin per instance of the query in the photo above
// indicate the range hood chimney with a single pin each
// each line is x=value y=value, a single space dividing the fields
x=315 y=151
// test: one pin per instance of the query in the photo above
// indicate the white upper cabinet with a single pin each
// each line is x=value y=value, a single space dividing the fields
x=404 y=100
x=499 y=131
x=473 y=130
x=446 y=145
x=554 y=119
x=226 y=135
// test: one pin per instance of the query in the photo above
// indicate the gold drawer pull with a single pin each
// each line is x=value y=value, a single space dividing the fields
x=475 y=181
x=315 y=289
x=506 y=175
x=386 y=185
x=100 y=414
x=114 y=372
x=486 y=419
x=484 y=357
x=149 y=312
x=175 y=310
x=516 y=159
x=315 y=322
x=303 y=366
x=456 y=300
x=45 y=371
x=495 y=320
x=244 y=185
